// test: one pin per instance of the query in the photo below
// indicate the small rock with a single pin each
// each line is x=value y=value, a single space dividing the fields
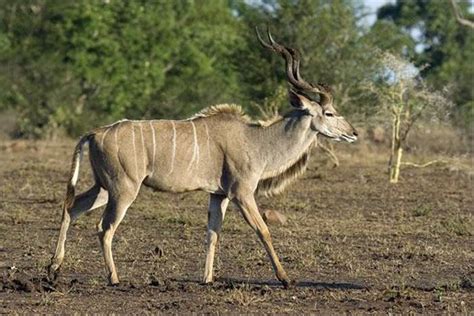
x=272 y=217
x=17 y=146
x=154 y=281
x=158 y=251
x=467 y=282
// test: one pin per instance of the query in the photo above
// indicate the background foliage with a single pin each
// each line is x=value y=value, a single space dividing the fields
x=72 y=65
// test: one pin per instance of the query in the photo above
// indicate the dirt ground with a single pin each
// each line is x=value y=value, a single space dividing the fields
x=353 y=243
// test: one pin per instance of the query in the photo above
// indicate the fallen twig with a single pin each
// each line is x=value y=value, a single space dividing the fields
x=330 y=153
x=427 y=164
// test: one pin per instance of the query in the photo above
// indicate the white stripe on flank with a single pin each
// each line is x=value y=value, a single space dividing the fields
x=116 y=137
x=154 y=148
x=195 y=157
x=173 y=153
x=208 y=144
x=143 y=148
x=103 y=136
x=134 y=149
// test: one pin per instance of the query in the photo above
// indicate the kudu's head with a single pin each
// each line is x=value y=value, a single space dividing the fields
x=325 y=120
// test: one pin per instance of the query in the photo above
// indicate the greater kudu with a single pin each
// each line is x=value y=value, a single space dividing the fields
x=218 y=150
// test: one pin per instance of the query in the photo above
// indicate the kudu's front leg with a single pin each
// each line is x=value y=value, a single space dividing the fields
x=217 y=207
x=247 y=205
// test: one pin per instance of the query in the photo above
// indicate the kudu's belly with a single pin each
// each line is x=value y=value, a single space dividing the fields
x=183 y=182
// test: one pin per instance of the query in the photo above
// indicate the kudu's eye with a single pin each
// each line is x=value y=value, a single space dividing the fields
x=328 y=114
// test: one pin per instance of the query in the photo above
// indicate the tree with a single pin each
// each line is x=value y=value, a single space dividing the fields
x=443 y=44
x=81 y=64
x=336 y=49
x=328 y=35
x=406 y=99
x=459 y=18
x=34 y=81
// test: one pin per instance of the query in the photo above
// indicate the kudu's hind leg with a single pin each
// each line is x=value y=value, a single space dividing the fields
x=248 y=207
x=114 y=213
x=217 y=208
x=87 y=201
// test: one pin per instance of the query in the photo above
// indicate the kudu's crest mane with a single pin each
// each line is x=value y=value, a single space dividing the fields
x=219 y=109
x=237 y=112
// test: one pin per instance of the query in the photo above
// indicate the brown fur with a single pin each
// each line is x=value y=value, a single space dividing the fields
x=273 y=185
x=270 y=121
x=276 y=184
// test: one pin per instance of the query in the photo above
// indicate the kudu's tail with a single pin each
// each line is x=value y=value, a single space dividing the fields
x=68 y=203
x=74 y=173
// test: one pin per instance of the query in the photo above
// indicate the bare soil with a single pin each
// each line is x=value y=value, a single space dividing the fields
x=353 y=243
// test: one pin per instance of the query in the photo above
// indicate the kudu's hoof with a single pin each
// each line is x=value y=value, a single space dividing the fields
x=53 y=271
x=206 y=283
x=287 y=284
x=115 y=284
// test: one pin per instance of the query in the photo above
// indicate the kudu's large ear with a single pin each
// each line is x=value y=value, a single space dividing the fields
x=298 y=100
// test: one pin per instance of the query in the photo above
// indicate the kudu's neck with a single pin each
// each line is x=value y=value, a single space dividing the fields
x=285 y=141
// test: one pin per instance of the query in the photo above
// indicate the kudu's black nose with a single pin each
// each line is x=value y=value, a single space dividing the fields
x=355 y=133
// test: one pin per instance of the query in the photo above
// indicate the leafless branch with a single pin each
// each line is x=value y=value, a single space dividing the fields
x=330 y=153
x=168 y=67
x=427 y=164
x=411 y=120
x=459 y=18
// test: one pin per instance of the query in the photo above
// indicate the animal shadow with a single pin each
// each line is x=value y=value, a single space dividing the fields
x=238 y=282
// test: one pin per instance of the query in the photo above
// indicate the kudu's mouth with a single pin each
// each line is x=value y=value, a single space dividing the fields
x=349 y=139
x=346 y=138
x=341 y=137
